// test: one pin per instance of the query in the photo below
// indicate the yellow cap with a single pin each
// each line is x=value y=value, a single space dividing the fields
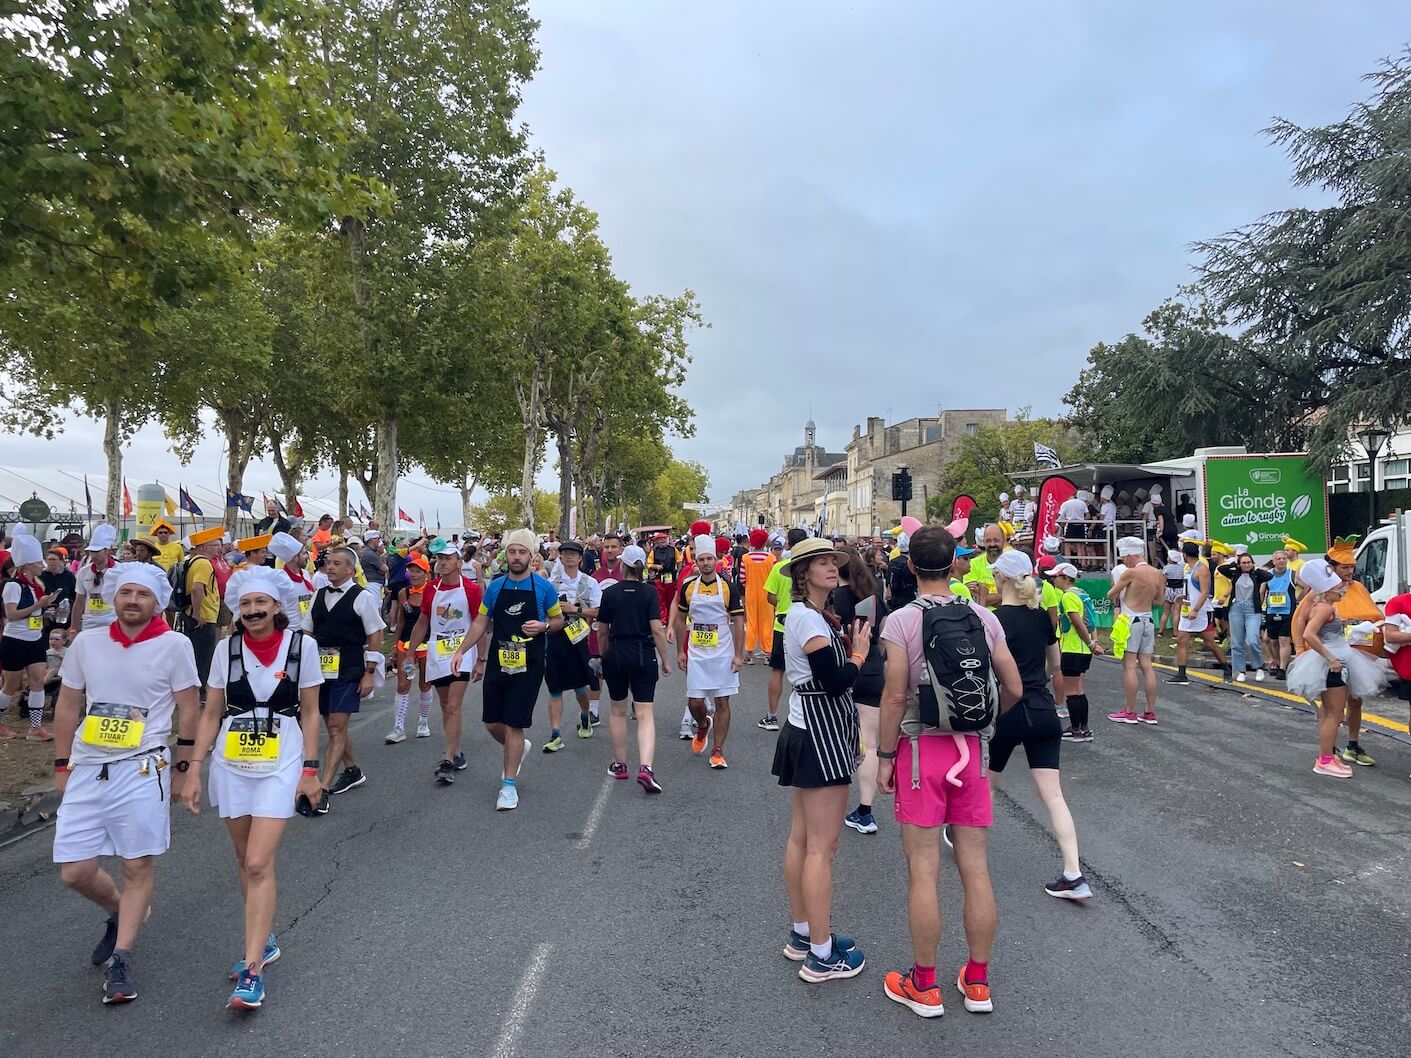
x=253 y=543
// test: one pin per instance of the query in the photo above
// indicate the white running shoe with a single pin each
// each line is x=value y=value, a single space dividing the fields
x=394 y=736
x=1240 y=678
x=688 y=730
x=508 y=799
x=1258 y=675
x=423 y=729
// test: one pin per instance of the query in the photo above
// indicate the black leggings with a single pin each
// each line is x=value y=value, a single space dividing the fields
x=1078 y=711
x=1031 y=722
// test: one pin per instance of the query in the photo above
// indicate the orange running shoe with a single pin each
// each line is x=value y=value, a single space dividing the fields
x=925 y=1002
x=701 y=737
x=717 y=759
x=977 y=997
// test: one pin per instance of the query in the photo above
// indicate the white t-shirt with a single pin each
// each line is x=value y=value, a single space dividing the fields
x=263 y=680
x=1074 y=510
x=143 y=676
x=20 y=629
x=1109 y=514
x=581 y=590
x=97 y=613
x=802 y=624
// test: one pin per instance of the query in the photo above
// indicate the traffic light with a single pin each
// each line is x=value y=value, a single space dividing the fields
x=901 y=485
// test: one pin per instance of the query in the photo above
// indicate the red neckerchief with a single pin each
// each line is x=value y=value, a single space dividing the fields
x=94 y=566
x=297 y=576
x=267 y=649
x=155 y=627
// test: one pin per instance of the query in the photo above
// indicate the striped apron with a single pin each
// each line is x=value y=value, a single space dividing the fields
x=832 y=722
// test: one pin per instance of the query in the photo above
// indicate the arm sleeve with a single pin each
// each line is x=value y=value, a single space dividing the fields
x=682 y=603
x=366 y=609
x=548 y=599
x=428 y=597
x=831 y=676
x=592 y=595
x=737 y=602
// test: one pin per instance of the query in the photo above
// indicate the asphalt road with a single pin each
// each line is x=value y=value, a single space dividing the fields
x=1242 y=906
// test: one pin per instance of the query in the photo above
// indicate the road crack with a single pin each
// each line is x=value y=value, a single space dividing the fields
x=332 y=878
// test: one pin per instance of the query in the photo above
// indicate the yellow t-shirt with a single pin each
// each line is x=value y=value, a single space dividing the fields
x=202 y=572
x=169 y=555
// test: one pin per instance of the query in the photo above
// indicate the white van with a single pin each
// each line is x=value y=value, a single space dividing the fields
x=1382 y=559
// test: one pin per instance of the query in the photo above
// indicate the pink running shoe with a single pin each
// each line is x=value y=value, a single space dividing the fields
x=1148 y=718
x=1333 y=768
x=1123 y=716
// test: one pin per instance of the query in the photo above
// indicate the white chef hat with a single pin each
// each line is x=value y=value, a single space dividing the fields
x=1130 y=545
x=1004 y=497
x=1107 y=492
x=145 y=574
x=1013 y=564
x=1140 y=494
x=1156 y=492
x=1319 y=576
x=284 y=546
x=1018 y=490
x=104 y=537
x=1241 y=549
x=25 y=548
x=1085 y=495
x=1052 y=544
x=1188 y=520
x=272 y=582
x=703 y=545
x=1173 y=556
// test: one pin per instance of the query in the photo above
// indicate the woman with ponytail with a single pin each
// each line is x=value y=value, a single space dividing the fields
x=1032 y=722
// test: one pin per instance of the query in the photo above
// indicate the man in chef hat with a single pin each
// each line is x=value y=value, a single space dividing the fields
x=710 y=644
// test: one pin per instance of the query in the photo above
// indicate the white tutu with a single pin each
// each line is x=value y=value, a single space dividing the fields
x=1364 y=674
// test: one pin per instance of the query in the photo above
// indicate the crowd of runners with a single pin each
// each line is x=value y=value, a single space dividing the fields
x=223 y=674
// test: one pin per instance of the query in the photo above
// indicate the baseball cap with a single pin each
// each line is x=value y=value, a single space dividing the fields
x=634 y=556
x=1063 y=569
x=965 y=552
x=442 y=546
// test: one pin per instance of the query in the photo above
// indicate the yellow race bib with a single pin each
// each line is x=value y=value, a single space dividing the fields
x=112 y=726
x=705 y=635
x=328 y=663
x=1278 y=598
x=576 y=629
x=36 y=622
x=447 y=643
x=1185 y=609
x=249 y=747
x=513 y=659
x=97 y=604
x=305 y=601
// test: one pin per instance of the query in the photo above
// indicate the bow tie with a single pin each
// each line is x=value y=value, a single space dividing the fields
x=333 y=590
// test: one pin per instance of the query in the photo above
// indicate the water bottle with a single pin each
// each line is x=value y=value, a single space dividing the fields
x=409 y=669
x=61 y=618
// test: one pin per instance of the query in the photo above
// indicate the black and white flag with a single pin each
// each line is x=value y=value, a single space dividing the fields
x=1046 y=457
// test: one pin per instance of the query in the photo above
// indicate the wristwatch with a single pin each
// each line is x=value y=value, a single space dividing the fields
x=182 y=765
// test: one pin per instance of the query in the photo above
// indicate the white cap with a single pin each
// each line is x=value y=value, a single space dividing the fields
x=372 y=534
x=525 y=538
x=1319 y=576
x=1013 y=564
x=1064 y=569
x=1241 y=549
x=284 y=546
x=1130 y=545
x=265 y=581
x=104 y=537
x=633 y=555
x=1188 y=520
x=1174 y=556
x=146 y=574
x=1052 y=544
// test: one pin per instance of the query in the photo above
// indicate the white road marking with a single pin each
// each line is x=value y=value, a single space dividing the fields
x=596 y=815
x=524 y=996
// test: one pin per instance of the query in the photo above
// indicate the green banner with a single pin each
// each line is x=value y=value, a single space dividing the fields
x=1258 y=500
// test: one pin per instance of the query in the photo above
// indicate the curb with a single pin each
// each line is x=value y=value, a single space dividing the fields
x=35 y=813
x=1389 y=728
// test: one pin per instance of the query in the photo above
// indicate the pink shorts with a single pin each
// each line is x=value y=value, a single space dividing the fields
x=938 y=801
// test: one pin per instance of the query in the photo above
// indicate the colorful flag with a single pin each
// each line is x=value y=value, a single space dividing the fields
x=298 y=508
x=246 y=502
x=169 y=503
x=232 y=499
x=403 y=517
x=187 y=503
x=126 y=500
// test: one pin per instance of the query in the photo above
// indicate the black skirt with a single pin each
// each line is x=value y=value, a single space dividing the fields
x=796 y=762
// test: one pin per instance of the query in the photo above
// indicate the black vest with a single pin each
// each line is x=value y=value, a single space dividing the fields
x=341 y=628
x=240 y=696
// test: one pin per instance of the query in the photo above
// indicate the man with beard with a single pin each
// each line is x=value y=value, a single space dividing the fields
x=980 y=580
x=516 y=612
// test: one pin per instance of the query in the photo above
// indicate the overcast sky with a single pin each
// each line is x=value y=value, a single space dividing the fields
x=888 y=207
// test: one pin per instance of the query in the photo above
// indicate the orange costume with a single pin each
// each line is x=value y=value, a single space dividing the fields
x=755 y=565
x=1356 y=605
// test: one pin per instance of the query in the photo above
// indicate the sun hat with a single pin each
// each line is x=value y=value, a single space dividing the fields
x=813 y=547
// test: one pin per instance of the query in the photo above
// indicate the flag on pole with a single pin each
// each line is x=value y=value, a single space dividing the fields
x=421 y=512
x=438 y=519
x=298 y=507
x=403 y=517
x=87 y=498
x=126 y=500
x=187 y=503
x=352 y=514
x=169 y=504
x=1046 y=457
x=367 y=514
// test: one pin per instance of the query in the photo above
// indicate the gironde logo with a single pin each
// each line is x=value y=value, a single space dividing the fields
x=1266 y=475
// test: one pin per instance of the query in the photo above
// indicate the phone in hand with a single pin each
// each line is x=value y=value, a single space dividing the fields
x=867 y=609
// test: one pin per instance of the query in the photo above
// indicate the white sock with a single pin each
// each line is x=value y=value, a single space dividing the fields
x=5 y=701
x=801 y=928
x=427 y=696
x=822 y=951
x=685 y=716
x=1071 y=875
x=403 y=700
x=36 y=708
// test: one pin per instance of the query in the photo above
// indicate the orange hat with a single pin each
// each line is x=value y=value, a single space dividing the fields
x=253 y=543
x=416 y=558
x=206 y=536
x=1343 y=550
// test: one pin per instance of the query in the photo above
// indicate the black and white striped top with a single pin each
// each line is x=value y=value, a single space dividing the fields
x=829 y=718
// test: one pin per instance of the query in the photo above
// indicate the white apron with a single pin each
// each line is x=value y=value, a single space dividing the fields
x=710 y=644
x=450 y=621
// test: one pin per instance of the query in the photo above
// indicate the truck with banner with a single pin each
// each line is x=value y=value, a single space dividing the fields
x=1259 y=499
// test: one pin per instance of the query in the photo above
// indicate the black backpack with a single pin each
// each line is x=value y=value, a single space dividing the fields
x=959 y=692
x=176 y=576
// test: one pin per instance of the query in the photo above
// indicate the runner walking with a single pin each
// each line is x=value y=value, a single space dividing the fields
x=22 y=648
x=518 y=610
x=406 y=611
x=91 y=609
x=1196 y=614
x=710 y=643
x=121 y=684
x=1280 y=600
x=1076 y=647
x=629 y=625
x=607 y=572
x=448 y=606
x=1032 y=722
x=345 y=622
x=569 y=663
x=816 y=755
x=260 y=726
x=1135 y=588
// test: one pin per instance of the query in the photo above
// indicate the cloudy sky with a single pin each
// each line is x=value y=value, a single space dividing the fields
x=890 y=207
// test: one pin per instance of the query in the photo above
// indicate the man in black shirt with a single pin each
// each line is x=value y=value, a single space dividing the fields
x=59 y=582
x=629 y=625
x=901 y=582
x=273 y=522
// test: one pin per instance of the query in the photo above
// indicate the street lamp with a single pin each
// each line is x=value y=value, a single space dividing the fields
x=1372 y=438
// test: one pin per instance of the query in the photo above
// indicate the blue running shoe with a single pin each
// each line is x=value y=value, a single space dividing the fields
x=797 y=949
x=837 y=966
x=271 y=955
x=249 y=993
x=862 y=822
x=117 y=985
